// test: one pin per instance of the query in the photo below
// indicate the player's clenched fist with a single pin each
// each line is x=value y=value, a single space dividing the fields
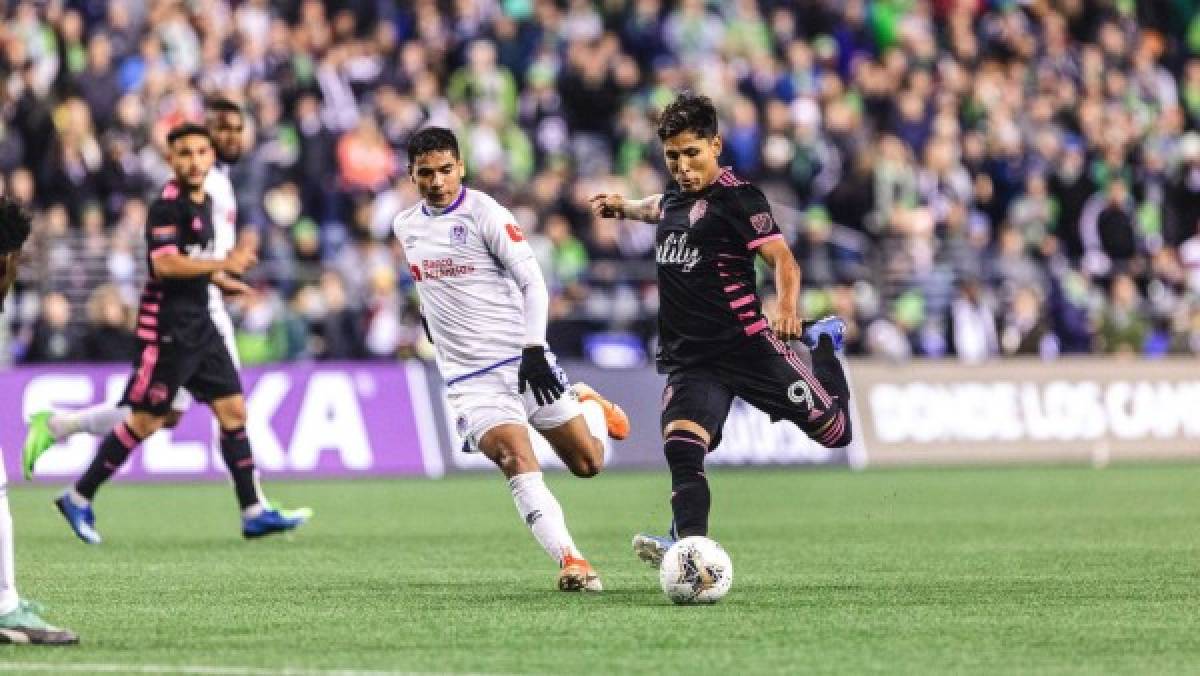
x=787 y=326
x=607 y=206
x=240 y=260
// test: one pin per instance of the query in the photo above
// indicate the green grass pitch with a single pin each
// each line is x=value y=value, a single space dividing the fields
x=1046 y=570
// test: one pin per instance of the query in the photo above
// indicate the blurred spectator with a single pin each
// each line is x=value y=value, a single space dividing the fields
x=973 y=324
x=937 y=167
x=53 y=338
x=1123 y=327
x=1025 y=331
x=109 y=336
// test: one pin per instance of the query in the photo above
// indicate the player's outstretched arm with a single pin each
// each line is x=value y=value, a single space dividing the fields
x=616 y=206
x=786 y=323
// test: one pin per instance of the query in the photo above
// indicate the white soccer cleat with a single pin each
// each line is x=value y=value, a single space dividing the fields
x=651 y=548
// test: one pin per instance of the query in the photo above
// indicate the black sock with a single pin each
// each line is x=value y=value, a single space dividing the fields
x=828 y=370
x=690 y=498
x=834 y=431
x=113 y=453
x=235 y=449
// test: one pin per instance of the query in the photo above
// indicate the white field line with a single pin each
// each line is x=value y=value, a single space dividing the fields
x=197 y=670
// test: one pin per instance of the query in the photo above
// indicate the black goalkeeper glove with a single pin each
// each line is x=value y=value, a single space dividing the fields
x=14 y=226
x=537 y=374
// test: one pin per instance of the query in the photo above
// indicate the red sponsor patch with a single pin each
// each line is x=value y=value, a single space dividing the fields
x=514 y=232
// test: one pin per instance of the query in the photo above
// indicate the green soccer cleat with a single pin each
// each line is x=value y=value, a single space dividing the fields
x=25 y=626
x=38 y=440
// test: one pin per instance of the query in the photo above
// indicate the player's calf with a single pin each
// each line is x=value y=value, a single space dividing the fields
x=579 y=449
x=832 y=430
x=691 y=500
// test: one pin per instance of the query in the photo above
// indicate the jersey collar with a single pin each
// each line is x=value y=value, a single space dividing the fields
x=432 y=211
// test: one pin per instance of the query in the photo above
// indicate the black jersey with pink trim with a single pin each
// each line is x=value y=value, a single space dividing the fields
x=176 y=307
x=706 y=244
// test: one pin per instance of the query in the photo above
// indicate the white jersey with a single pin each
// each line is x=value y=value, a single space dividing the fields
x=224 y=219
x=460 y=260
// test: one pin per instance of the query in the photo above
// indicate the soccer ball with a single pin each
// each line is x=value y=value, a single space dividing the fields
x=696 y=570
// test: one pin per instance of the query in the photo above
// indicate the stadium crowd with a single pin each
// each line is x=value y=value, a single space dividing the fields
x=957 y=177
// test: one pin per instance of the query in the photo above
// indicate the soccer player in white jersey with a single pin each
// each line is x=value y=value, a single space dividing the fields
x=20 y=622
x=485 y=305
x=226 y=125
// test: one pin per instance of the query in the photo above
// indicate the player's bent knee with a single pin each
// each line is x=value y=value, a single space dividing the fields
x=513 y=461
x=145 y=424
x=508 y=446
x=230 y=413
x=687 y=426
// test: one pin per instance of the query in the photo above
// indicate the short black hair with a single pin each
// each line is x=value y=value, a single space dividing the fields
x=188 y=129
x=431 y=139
x=688 y=112
x=223 y=105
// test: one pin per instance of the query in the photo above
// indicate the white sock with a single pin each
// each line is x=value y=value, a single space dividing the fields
x=77 y=499
x=593 y=415
x=8 y=576
x=95 y=420
x=541 y=512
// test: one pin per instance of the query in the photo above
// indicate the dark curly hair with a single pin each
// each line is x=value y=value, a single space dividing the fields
x=688 y=112
x=431 y=139
x=14 y=225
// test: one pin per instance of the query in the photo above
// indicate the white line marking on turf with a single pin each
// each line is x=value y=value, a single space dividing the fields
x=197 y=670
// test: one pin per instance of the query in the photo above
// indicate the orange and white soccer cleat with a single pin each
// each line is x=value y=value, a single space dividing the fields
x=615 y=418
x=577 y=575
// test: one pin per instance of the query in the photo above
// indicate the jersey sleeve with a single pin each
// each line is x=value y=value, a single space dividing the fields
x=502 y=236
x=752 y=218
x=163 y=229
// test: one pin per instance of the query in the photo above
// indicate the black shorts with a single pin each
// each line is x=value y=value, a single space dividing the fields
x=206 y=370
x=772 y=378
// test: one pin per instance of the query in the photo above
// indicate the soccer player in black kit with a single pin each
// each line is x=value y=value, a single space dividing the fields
x=714 y=341
x=179 y=345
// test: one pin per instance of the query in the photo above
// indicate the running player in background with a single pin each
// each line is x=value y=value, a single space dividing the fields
x=179 y=345
x=226 y=124
x=19 y=618
x=715 y=343
x=485 y=304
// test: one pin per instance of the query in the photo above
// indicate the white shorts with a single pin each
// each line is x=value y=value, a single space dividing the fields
x=183 y=399
x=490 y=399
